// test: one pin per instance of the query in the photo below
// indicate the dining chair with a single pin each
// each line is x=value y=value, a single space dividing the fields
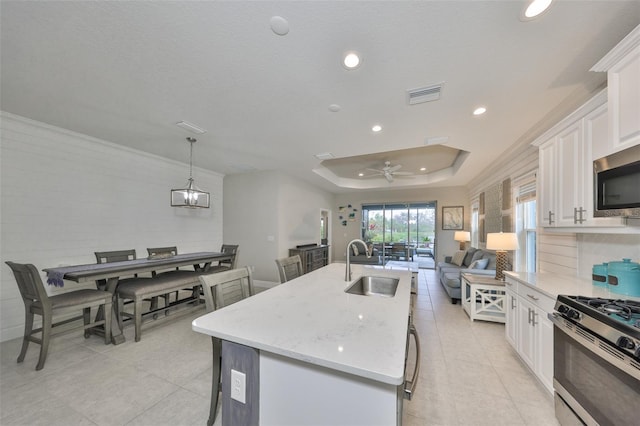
x=289 y=268
x=38 y=302
x=228 y=264
x=160 y=252
x=222 y=289
x=121 y=256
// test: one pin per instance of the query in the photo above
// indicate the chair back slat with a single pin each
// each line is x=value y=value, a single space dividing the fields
x=115 y=256
x=224 y=288
x=162 y=250
x=289 y=268
x=29 y=282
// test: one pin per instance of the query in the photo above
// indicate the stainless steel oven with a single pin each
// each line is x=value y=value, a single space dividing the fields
x=596 y=361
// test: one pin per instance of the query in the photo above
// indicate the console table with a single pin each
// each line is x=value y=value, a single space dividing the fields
x=313 y=256
x=483 y=297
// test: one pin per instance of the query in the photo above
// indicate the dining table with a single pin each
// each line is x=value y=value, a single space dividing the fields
x=112 y=272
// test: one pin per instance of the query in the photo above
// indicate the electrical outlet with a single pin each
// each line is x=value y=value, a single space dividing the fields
x=238 y=386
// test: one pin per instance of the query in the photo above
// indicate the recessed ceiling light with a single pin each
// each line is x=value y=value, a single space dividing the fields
x=376 y=128
x=535 y=8
x=479 y=111
x=334 y=107
x=279 y=25
x=360 y=174
x=422 y=169
x=351 y=60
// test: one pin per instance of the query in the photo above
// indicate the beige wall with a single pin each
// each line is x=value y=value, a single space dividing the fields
x=445 y=196
x=267 y=214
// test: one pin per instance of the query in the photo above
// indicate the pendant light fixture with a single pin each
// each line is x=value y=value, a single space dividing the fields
x=191 y=196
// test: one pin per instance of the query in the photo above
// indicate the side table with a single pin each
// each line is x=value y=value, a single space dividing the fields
x=483 y=297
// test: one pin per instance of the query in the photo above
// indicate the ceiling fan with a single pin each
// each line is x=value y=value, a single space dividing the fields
x=389 y=171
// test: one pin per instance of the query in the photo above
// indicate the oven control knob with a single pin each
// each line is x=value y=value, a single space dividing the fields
x=573 y=314
x=563 y=309
x=626 y=343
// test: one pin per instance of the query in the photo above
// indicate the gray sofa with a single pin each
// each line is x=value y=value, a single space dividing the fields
x=361 y=257
x=474 y=262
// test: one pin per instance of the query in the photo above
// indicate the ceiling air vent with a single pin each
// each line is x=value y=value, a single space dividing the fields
x=424 y=94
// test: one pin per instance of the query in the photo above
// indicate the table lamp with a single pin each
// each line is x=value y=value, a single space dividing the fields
x=501 y=242
x=462 y=236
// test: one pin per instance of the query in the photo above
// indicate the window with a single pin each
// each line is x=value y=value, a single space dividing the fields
x=413 y=223
x=525 y=202
x=475 y=223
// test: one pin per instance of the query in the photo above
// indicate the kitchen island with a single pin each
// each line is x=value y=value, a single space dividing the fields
x=323 y=356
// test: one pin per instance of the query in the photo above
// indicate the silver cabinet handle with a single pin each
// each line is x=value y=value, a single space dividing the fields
x=529 y=315
x=410 y=385
x=533 y=318
x=550 y=217
x=532 y=297
x=575 y=215
x=513 y=303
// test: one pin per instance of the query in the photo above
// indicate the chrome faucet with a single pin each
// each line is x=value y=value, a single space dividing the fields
x=347 y=272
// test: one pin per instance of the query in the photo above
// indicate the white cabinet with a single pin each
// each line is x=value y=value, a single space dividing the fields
x=570 y=186
x=565 y=180
x=511 y=311
x=529 y=330
x=622 y=65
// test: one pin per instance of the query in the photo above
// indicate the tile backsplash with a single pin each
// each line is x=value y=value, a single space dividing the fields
x=599 y=248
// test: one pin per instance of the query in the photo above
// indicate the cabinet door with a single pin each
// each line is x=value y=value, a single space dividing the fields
x=624 y=101
x=546 y=183
x=596 y=133
x=511 y=319
x=526 y=336
x=544 y=348
x=569 y=167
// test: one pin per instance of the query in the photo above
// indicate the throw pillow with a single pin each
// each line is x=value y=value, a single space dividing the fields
x=354 y=248
x=479 y=264
x=477 y=255
x=458 y=257
x=468 y=257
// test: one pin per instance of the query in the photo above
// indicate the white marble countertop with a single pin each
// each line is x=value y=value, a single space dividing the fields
x=553 y=285
x=312 y=319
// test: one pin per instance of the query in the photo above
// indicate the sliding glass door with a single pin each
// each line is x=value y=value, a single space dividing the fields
x=413 y=224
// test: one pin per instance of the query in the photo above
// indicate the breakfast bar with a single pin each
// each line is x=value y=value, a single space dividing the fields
x=323 y=356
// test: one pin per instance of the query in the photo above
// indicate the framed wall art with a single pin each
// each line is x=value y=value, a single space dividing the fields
x=453 y=218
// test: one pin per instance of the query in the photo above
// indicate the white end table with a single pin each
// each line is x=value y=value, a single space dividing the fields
x=483 y=297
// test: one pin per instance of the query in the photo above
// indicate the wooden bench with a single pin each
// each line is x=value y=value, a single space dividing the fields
x=160 y=285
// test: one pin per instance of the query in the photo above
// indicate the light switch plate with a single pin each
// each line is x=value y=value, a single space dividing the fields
x=238 y=386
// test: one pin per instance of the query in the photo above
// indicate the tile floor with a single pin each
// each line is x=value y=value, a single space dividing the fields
x=469 y=376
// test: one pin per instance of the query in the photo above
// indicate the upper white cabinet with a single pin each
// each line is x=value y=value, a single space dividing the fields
x=565 y=181
x=622 y=65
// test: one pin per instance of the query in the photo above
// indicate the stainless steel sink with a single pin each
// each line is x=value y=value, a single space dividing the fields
x=374 y=286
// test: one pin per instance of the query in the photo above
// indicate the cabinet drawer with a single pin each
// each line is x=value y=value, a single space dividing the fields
x=536 y=298
x=511 y=285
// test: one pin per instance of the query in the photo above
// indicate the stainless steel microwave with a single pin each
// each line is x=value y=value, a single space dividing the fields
x=617 y=184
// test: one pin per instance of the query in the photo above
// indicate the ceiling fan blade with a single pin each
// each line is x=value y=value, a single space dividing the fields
x=403 y=174
x=394 y=168
x=388 y=177
x=380 y=172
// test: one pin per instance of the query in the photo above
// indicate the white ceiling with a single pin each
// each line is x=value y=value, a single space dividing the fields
x=126 y=72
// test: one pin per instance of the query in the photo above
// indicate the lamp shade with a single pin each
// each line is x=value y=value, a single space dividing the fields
x=462 y=236
x=502 y=241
